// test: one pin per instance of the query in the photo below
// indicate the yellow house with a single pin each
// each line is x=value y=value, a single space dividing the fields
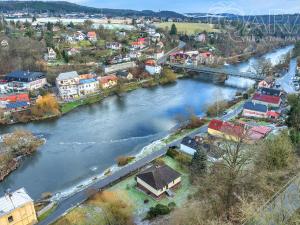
x=17 y=209
x=225 y=130
x=157 y=180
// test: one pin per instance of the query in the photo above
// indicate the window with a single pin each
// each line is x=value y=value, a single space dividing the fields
x=10 y=219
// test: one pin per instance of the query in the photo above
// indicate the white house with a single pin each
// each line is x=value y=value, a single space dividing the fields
x=66 y=84
x=152 y=68
x=79 y=36
x=88 y=84
x=51 y=54
x=26 y=80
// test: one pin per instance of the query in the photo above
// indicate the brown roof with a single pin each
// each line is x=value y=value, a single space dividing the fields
x=158 y=176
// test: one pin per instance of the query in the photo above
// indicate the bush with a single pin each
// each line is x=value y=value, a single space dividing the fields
x=124 y=160
x=172 y=153
x=158 y=210
x=172 y=205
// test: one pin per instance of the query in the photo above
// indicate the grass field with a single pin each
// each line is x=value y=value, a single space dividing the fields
x=189 y=28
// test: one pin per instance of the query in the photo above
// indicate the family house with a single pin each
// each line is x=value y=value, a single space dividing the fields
x=226 y=130
x=237 y=132
x=17 y=208
x=66 y=84
x=108 y=81
x=151 y=67
x=92 y=36
x=88 y=84
x=266 y=83
x=26 y=80
x=190 y=145
x=79 y=36
x=178 y=57
x=125 y=74
x=158 y=180
x=257 y=110
x=114 y=46
x=268 y=100
x=200 y=37
x=3 y=87
x=51 y=54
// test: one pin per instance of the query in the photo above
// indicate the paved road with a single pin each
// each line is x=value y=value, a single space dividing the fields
x=66 y=204
x=286 y=81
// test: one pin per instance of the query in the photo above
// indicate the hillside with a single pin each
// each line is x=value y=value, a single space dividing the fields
x=60 y=7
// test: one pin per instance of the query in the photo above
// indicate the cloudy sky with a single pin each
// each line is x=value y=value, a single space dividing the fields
x=235 y=6
x=214 y=6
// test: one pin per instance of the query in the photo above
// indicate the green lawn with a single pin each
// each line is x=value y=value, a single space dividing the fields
x=67 y=107
x=137 y=197
x=189 y=28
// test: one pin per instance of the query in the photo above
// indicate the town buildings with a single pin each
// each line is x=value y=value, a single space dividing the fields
x=71 y=85
x=158 y=180
x=14 y=102
x=17 y=209
x=25 y=80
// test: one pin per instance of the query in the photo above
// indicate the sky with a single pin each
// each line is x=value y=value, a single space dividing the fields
x=242 y=7
x=228 y=6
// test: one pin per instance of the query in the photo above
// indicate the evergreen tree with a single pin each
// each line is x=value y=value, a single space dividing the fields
x=173 y=30
x=199 y=162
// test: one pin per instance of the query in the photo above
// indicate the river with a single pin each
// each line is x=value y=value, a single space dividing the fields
x=85 y=142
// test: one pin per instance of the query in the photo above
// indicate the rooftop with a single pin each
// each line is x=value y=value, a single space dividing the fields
x=266 y=98
x=15 y=200
x=255 y=107
x=67 y=75
x=159 y=176
x=24 y=76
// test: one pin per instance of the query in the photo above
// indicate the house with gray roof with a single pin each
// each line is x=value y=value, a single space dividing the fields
x=158 y=180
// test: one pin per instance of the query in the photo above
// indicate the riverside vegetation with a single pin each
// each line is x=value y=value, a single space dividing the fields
x=14 y=147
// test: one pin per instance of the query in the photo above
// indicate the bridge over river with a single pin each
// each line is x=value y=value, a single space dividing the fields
x=216 y=71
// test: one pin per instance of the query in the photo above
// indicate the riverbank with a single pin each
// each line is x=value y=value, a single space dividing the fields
x=14 y=148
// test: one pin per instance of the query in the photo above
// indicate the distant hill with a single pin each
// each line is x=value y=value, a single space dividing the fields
x=60 y=7
x=291 y=19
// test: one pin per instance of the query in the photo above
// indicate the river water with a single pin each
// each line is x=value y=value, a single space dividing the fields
x=85 y=142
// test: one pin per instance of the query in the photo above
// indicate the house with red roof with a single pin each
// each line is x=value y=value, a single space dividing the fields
x=226 y=130
x=92 y=36
x=108 y=81
x=268 y=100
x=234 y=132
